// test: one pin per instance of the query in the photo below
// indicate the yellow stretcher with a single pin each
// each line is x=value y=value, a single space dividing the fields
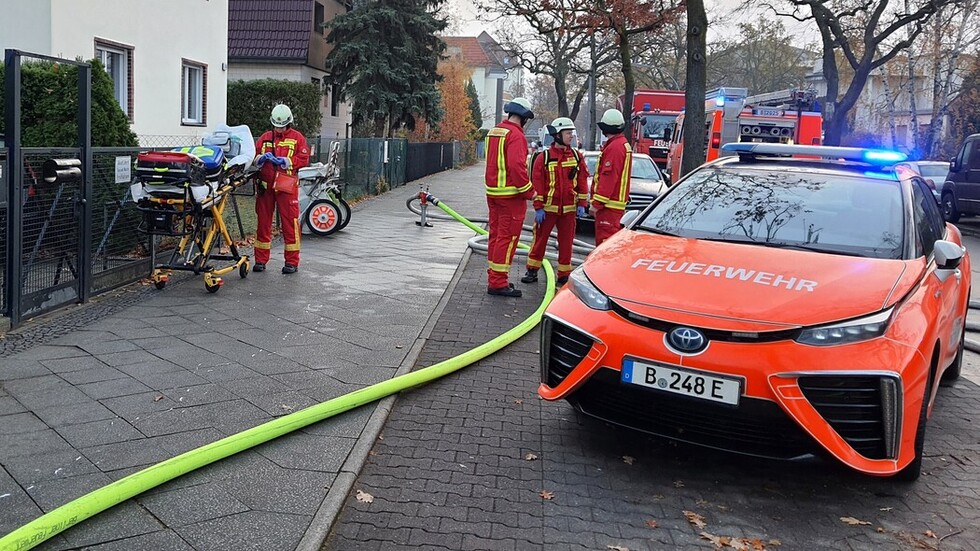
x=183 y=194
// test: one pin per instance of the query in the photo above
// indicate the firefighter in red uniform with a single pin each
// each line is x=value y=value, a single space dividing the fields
x=611 y=183
x=508 y=189
x=561 y=184
x=282 y=149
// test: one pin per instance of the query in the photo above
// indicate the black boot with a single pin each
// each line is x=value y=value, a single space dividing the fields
x=531 y=276
x=508 y=291
x=561 y=281
x=289 y=269
x=258 y=267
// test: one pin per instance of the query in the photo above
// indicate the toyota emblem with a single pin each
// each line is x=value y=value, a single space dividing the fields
x=687 y=340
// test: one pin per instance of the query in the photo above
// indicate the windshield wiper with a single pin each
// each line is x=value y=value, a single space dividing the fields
x=802 y=247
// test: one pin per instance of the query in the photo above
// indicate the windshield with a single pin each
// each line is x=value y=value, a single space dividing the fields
x=830 y=213
x=655 y=125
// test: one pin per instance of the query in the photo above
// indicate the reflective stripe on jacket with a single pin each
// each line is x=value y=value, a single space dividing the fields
x=506 y=149
x=611 y=183
x=556 y=189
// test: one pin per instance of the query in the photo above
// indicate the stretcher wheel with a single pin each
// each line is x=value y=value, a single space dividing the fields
x=243 y=270
x=212 y=288
x=323 y=217
x=160 y=284
x=345 y=219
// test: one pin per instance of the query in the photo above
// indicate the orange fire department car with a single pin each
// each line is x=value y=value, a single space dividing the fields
x=785 y=117
x=774 y=306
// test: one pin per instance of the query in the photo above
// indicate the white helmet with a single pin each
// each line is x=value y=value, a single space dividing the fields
x=612 y=122
x=281 y=116
x=559 y=124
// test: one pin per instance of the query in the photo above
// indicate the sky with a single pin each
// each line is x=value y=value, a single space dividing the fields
x=465 y=23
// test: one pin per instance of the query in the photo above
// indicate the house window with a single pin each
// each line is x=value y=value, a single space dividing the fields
x=334 y=101
x=318 y=19
x=118 y=62
x=193 y=93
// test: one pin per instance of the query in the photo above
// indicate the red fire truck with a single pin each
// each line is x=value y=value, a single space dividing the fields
x=786 y=116
x=653 y=111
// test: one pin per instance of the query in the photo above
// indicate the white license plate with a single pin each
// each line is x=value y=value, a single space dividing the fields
x=763 y=112
x=687 y=382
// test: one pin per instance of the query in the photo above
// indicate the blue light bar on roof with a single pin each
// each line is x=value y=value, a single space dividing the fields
x=870 y=156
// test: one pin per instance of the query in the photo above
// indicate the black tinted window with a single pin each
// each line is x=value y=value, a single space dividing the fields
x=928 y=220
x=831 y=213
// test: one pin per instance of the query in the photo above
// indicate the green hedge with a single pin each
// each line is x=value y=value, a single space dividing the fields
x=250 y=102
x=49 y=105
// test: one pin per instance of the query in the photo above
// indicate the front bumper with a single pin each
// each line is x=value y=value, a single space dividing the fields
x=796 y=400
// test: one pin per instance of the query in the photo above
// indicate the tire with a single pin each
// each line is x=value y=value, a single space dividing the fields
x=243 y=270
x=948 y=206
x=160 y=284
x=347 y=212
x=323 y=217
x=912 y=471
x=212 y=288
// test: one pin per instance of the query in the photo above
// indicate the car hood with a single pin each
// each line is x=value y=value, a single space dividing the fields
x=737 y=284
x=647 y=187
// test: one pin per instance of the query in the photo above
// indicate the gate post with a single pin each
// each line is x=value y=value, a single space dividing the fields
x=15 y=166
x=85 y=202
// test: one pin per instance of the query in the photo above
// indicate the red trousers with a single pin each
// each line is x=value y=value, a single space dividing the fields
x=566 y=233
x=506 y=220
x=266 y=202
x=606 y=223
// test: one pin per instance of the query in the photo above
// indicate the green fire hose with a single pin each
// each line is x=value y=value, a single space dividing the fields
x=70 y=514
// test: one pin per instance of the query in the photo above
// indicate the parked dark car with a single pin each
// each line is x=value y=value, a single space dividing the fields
x=961 y=191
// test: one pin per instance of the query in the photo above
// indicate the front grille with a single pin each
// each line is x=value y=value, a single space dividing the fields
x=852 y=405
x=754 y=427
x=657 y=152
x=712 y=334
x=640 y=201
x=566 y=348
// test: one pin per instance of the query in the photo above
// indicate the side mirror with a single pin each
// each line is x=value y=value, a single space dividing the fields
x=628 y=217
x=643 y=121
x=668 y=133
x=948 y=255
x=954 y=164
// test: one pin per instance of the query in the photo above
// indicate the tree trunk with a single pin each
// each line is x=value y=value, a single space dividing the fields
x=833 y=127
x=697 y=75
x=561 y=90
x=915 y=153
x=892 y=133
x=625 y=56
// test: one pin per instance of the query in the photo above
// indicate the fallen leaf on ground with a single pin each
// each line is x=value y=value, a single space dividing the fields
x=617 y=548
x=702 y=503
x=658 y=496
x=718 y=541
x=547 y=495
x=399 y=346
x=678 y=483
x=695 y=519
x=880 y=530
x=158 y=398
x=776 y=543
x=518 y=402
x=364 y=497
x=931 y=534
x=854 y=522
x=628 y=459
x=886 y=509
x=286 y=407
x=651 y=523
x=530 y=457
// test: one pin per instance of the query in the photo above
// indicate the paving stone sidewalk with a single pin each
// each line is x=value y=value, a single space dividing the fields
x=147 y=378
x=477 y=461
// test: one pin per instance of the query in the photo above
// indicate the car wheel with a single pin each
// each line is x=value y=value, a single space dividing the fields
x=323 y=217
x=912 y=471
x=950 y=212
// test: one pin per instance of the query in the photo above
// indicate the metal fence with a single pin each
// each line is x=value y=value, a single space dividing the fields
x=52 y=215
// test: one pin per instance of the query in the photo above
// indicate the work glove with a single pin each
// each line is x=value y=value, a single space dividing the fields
x=539 y=216
x=281 y=161
x=580 y=212
x=262 y=159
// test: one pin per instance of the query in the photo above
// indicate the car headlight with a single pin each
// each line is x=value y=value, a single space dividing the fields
x=855 y=330
x=586 y=291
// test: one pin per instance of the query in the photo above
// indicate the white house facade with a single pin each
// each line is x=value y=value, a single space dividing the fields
x=168 y=60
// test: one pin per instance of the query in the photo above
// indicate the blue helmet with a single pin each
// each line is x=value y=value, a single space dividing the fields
x=520 y=107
